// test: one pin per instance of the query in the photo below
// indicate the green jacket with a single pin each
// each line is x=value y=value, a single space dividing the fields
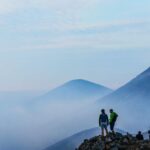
x=113 y=117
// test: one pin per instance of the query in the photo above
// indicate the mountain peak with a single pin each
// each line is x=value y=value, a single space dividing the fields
x=78 y=81
x=81 y=81
x=78 y=89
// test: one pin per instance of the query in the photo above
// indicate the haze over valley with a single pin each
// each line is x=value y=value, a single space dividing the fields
x=36 y=121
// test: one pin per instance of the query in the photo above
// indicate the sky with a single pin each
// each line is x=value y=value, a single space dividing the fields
x=45 y=43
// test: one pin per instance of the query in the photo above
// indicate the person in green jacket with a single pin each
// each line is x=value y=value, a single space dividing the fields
x=112 y=119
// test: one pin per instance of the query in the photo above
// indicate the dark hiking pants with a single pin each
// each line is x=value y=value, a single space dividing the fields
x=112 y=124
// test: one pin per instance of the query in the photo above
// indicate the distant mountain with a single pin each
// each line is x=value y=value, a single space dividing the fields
x=136 y=89
x=77 y=90
x=74 y=141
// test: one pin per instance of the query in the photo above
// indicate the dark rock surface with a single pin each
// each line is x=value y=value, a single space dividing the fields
x=74 y=141
x=114 y=142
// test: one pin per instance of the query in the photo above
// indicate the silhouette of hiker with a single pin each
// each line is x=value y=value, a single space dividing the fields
x=149 y=134
x=103 y=122
x=139 y=136
x=112 y=120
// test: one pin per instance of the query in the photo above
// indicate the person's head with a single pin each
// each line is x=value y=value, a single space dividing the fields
x=139 y=132
x=111 y=110
x=103 y=111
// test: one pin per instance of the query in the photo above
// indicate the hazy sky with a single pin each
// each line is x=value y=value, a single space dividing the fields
x=47 y=42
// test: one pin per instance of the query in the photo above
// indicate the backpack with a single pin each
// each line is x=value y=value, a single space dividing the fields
x=115 y=117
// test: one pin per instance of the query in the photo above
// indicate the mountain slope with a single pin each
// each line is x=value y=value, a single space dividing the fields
x=74 y=141
x=132 y=102
x=138 y=88
x=77 y=90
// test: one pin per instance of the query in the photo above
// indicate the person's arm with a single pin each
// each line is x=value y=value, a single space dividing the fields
x=107 y=121
x=100 y=120
x=111 y=118
x=142 y=137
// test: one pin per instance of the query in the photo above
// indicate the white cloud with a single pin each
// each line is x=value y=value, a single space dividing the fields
x=99 y=26
x=68 y=31
x=110 y=40
x=116 y=34
x=8 y=6
x=104 y=25
x=60 y=6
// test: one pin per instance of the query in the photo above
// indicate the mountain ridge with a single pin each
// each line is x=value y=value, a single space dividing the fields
x=77 y=89
x=115 y=141
x=139 y=84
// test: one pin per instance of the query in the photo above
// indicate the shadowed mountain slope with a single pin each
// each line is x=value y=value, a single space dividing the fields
x=136 y=89
x=132 y=102
x=77 y=90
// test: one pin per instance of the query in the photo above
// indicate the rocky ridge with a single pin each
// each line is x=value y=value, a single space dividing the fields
x=115 y=142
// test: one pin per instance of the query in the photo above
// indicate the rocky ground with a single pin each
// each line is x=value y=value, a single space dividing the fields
x=115 y=142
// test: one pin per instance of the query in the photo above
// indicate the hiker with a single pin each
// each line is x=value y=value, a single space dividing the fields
x=139 y=136
x=103 y=122
x=149 y=134
x=112 y=120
